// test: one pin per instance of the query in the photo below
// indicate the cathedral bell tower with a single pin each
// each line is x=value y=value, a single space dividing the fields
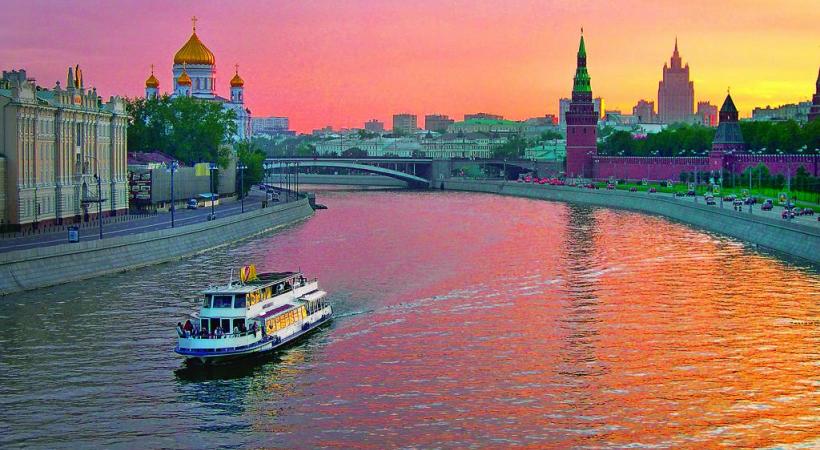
x=151 y=86
x=582 y=122
x=237 y=88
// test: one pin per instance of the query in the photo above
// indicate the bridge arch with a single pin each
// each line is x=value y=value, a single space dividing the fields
x=411 y=180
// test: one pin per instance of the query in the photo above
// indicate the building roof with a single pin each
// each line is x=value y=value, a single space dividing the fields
x=143 y=158
x=194 y=52
x=152 y=81
x=728 y=105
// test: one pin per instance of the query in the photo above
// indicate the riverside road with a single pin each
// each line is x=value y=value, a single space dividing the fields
x=158 y=222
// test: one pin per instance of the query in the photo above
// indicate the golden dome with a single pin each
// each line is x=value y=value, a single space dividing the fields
x=184 y=79
x=194 y=52
x=237 y=81
x=152 y=81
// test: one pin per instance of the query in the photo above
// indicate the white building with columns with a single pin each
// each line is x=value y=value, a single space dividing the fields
x=194 y=75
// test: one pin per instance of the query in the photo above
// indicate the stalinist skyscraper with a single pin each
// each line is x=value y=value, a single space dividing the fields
x=676 y=94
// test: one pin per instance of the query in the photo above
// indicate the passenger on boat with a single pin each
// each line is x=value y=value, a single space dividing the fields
x=218 y=332
x=254 y=327
x=180 y=331
x=188 y=328
x=236 y=330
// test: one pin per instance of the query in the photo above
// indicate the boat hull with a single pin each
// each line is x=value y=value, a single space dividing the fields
x=266 y=345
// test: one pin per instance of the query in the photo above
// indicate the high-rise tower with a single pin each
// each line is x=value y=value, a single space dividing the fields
x=676 y=94
x=582 y=121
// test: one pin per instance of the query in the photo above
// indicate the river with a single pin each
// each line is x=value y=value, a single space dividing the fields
x=464 y=320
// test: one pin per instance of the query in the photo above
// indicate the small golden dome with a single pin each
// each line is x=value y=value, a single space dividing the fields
x=183 y=78
x=194 y=52
x=152 y=81
x=237 y=81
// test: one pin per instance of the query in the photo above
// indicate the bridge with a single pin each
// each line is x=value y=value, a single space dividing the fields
x=416 y=172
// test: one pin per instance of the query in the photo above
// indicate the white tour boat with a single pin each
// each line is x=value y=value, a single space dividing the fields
x=256 y=314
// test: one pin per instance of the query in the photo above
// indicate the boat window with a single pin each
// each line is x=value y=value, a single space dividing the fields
x=206 y=302
x=203 y=324
x=222 y=301
x=226 y=326
x=239 y=301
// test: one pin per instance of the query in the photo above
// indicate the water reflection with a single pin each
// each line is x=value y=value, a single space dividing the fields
x=464 y=320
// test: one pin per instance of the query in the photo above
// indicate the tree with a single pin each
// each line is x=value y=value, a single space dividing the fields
x=188 y=129
x=252 y=157
x=513 y=148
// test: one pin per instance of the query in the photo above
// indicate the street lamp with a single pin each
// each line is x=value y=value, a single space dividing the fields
x=211 y=168
x=99 y=203
x=241 y=168
x=172 y=169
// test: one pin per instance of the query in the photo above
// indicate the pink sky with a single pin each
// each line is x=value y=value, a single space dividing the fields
x=341 y=63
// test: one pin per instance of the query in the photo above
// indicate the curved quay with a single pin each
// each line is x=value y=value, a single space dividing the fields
x=798 y=241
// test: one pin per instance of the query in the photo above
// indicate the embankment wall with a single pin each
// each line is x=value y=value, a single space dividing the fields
x=46 y=266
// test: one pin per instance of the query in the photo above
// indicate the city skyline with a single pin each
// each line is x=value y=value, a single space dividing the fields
x=341 y=65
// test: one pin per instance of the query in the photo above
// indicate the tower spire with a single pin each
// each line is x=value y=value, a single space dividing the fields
x=581 y=81
x=193 y=22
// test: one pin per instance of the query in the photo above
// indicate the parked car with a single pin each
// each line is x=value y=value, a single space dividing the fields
x=679 y=194
x=767 y=205
x=652 y=190
x=191 y=204
x=527 y=179
x=610 y=186
x=691 y=193
x=787 y=213
x=633 y=189
x=710 y=200
x=729 y=198
x=808 y=212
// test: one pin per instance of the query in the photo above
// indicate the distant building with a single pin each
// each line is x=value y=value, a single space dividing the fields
x=676 y=94
x=563 y=107
x=378 y=146
x=814 y=113
x=405 y=123
x=374 y=126
x=617 y=119
x=461 y=145
x=270 y=125
x=482 y=115
x=550 y=150
x=644 y=110
x=57 y=144
x=798 y=112
x=707 y=114
x=500 y=127
x=437 y=122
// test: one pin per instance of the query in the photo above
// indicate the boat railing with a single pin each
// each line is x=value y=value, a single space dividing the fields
x=223 y=336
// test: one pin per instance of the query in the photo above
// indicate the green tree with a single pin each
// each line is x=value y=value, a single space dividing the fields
x=252 y=157
x=189 y=129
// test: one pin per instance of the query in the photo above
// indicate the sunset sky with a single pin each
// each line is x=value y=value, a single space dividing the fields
x=341 y=63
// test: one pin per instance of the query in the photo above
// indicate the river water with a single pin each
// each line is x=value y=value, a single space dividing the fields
x=464 y=320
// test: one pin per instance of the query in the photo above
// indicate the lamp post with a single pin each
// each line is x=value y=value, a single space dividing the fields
x=99 y=203
x=241 y=168
x=172 y=169
x=211 y=168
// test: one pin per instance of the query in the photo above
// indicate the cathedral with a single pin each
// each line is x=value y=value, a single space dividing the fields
x=194 y=75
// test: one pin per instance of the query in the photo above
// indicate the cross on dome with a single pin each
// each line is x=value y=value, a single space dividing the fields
x=193 y=22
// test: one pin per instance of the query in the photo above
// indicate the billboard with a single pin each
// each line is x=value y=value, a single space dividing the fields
x=139 y=188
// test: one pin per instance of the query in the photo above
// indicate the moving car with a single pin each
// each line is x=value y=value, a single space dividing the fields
x=191 y=204
x=729 y=198
x=710 y=200
x=691 y=193
x=767 y=205
x=652 y=190
x=633 y=189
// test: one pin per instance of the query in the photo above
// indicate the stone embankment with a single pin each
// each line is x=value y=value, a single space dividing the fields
x=800 y=241
x=46 y=266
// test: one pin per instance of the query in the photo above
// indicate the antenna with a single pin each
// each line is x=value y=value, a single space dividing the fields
x=230 y=282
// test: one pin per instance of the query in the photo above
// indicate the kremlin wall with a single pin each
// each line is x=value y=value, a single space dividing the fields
x=728 y=148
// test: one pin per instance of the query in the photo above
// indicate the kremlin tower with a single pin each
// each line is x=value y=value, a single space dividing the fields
x=582 y=121
x=728 y=137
